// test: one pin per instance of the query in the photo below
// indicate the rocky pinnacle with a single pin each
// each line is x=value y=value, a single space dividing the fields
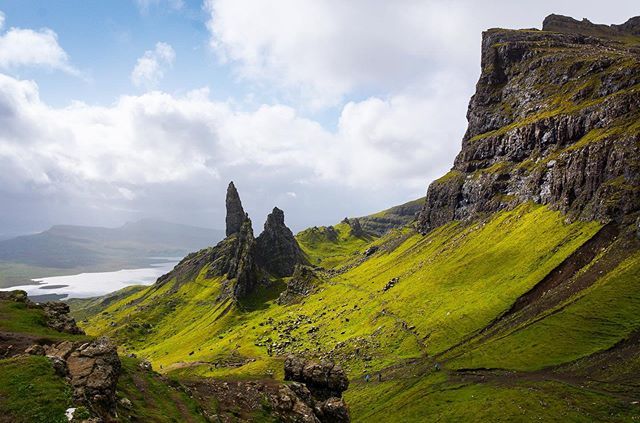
x=277 y=250
x=235 y=212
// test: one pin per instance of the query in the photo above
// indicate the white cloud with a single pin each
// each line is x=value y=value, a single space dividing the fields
x=27 y=47
x=2 y=19
x=150 y=68
x=119 y=153
x=323 y=50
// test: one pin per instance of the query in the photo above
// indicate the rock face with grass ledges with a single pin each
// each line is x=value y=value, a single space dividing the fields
x=555 y=120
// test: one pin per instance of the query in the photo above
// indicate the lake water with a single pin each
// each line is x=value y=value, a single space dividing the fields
x=86 y=285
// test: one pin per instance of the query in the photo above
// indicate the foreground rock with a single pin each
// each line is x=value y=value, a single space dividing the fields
x=277 y=250
x=296 y=401
x=92 y=369
x=321 y=385
x=57 y=317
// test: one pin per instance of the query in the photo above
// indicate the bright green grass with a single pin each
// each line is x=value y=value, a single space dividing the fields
x=452 y=283
x=30 y=392
x=435 y=398
x=594 y=320
x=322 y=251
x=17 y=317
x=153 y=399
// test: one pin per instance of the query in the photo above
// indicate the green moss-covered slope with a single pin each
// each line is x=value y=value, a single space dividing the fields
x=451 y=284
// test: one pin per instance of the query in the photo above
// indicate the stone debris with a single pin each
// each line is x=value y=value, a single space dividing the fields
x=390 y=284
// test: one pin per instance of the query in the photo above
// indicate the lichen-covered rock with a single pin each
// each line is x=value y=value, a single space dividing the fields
x=93 y=369
x=333 y=410
x=554 y=120
x=16 y=295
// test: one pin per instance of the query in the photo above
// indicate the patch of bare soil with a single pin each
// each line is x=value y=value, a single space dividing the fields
x=13 y=343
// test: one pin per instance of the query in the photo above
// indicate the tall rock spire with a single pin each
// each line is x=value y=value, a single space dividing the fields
x=277 y=250
x=235 y=212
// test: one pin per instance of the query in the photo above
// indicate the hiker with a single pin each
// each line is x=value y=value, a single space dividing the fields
x=367 y=378
x=379 y=377
x=437 y=367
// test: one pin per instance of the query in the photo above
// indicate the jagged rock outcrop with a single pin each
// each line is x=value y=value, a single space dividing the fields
x=554 y=120
x=356 y=228
x=242 y=266
x=233 y=257
x=277 y=250
x=93 y=369
x=235 y=213
x=302 y=282
x=320 y=385
x=57 y=317
x=325 y=380
x=56 y=314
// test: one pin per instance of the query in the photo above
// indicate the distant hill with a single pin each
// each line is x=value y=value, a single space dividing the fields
x=64 y=249
x=395 y=217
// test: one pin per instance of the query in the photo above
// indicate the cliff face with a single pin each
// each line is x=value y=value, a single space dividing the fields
x=555 y=120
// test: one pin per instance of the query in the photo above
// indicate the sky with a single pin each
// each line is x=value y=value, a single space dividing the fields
x=114 y=111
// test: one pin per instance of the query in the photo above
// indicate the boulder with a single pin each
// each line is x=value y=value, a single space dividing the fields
x=93 y=369
x=333 y=410
x=324 y=380
x=57 y=317
x=35 y=349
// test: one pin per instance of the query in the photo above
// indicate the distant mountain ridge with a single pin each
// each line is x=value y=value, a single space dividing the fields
x=88 y=248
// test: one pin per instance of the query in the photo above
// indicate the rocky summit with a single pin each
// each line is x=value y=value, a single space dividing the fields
x=277 y=250
x=555 y=119
x=240 y=258
x=235 y=213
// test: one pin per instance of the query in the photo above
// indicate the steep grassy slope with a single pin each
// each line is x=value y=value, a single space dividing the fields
x=452 y=283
